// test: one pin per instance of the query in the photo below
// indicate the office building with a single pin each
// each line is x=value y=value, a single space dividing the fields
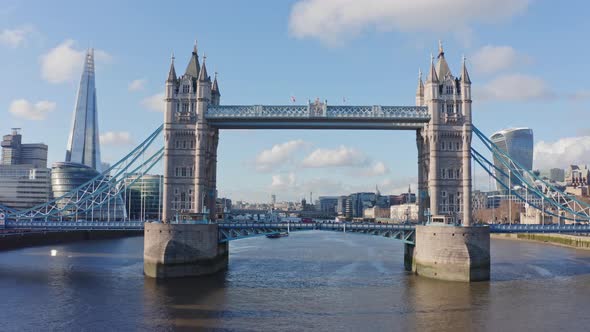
x=14 y=152
x=143 y=197
x=24 y=186
x=517 y=143
x=24 y=176
x=83 y=143
x=328 y=204
x=557 y=174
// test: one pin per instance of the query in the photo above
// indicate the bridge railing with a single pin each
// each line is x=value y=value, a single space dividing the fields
x=413 y=113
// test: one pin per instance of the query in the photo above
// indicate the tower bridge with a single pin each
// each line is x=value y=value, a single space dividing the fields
x=188 y=241
x=440 y=120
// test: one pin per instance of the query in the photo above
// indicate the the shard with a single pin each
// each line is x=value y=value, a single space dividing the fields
x=83 y=143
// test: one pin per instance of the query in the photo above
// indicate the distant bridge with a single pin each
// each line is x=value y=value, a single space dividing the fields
x=238 y=230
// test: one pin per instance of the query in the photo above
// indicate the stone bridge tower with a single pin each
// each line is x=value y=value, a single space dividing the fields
x=190 y=155
x=444 y=144
x=448 y=247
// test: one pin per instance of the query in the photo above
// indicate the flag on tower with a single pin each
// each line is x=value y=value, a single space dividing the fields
x=293 y=99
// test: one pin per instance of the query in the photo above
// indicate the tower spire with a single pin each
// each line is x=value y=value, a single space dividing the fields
x=441 y=51
x=432 y=76
x=193 y=68
x=215 y=87
x=442 y=67
x=464 y=74
x=203 y=72
x=420 y=89
x=172 y=72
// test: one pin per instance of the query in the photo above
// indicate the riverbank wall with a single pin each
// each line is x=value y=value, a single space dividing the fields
x=571 y=241
x=34 y=239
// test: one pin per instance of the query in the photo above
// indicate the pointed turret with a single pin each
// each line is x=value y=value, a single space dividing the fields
x=432 y=76
x=172 y=72
x=442 y=67
x=203 y=77
x=215 y=94
x=420 y=88
x=215 y=87
x=193 y=67
x=464 y=74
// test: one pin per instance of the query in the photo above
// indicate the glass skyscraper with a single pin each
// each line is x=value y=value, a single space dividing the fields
x=518 y=144
x=83 y=143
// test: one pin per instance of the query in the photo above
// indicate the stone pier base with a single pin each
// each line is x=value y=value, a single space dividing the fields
x=454 y=253
x=182 y=250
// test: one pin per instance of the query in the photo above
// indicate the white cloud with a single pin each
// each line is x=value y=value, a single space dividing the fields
x=116 y=138
x=561 y=153
x=376 y=169
x=64 y=63
x=154 y=103
x=15 y=37
x=340 y=157
x=278 y=154
x=23 y=108
x=283 y=181
x=136 y=85
x=515 y=87
x=334 y=21
x=492 y=59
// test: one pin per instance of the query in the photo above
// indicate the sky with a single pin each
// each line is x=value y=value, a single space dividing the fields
x=527 y=60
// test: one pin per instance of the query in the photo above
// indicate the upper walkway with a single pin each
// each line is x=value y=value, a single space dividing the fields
x=317 y=116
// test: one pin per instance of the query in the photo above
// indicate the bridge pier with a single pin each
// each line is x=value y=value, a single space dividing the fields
x=454 y=253
x=182 y=250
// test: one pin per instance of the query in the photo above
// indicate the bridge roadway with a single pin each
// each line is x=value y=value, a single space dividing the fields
x=237 y=230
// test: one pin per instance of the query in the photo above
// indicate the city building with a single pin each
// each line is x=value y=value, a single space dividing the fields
x=328 y=204
x=83 y=152
x=358 y=202
x=376 y=212
x=577 y=180
x=83 y=143
x=518 y=144
x=557 y=175
x=24 y=177
x=24 y=186
x=143 y=197
x=14 y=152
x=404 y=213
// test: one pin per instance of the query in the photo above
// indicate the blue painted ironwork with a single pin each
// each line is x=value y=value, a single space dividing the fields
x=519 y=228
x=417 y=113
x=553 y=197
x=74 y=226
x=317 y=115
x=99 y=191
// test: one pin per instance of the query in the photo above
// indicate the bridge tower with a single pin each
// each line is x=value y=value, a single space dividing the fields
x=448 y=247
x=184 y=243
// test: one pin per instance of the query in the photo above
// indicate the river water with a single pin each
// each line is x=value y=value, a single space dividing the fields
x=309 y=281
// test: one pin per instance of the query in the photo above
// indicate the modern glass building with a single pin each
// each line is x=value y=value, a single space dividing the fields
x=518 y=144
x=143 y=197
x=24 y=186
x=83 y=143
x=65 y=177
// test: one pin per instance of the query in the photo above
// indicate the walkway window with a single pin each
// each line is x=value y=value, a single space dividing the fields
x=442 y=173
x=450 y=173
x=184 y=171
x=177 y=171
x=458 y=171
x=185 y=88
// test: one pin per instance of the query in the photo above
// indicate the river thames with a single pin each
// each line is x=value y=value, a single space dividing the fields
x=309 y=281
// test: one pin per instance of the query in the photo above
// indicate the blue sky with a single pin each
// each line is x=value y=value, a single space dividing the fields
x=527 y=60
